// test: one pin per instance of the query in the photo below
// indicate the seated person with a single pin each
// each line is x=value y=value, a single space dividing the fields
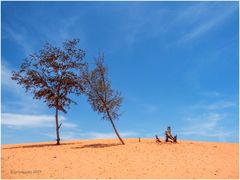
x=169 y=135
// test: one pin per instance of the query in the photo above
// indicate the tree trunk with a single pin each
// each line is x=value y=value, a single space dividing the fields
x=57 y=127
x=110 y=118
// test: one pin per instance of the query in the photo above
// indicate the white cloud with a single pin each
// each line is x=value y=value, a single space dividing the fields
x=206 y=126
x=69 y=125
x=69 y=135
x=20 y=37
x=205 y=122
x=142 y=24
x=18 y=100
x=193 y=12
x=76 y=134
x=221 y=105
x=68 y=30
x=206 y=26
x=216 y=106
x=211 y=94
x=6 y=80
x=33 y=121
x=97 y=135
x=23 y=120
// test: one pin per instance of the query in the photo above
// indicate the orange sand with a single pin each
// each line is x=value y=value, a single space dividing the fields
x=108 y=159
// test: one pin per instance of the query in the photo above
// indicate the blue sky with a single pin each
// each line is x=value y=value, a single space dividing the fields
x=175 y=63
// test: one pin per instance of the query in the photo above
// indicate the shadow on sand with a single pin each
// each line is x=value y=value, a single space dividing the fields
x=39 y=145
x=96 y=146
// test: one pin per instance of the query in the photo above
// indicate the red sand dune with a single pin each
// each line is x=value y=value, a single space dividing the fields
x=107 y=159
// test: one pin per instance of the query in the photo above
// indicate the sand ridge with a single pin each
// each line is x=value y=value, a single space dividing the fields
x=106 y=158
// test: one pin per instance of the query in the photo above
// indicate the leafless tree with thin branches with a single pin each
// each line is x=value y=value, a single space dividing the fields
x=100 y=94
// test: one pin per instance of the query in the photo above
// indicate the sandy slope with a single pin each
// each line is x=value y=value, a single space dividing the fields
x=108 y=159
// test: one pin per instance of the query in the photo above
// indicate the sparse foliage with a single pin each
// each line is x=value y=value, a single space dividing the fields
x=52 y=74
x=101 y=96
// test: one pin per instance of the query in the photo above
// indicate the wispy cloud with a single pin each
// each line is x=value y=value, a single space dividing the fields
x=206 y=126
x=20 y=101
x=205 y=122
x=205 y=25
x=20 y=37
x=78 y=134
x=6 y=80
x=73 y=134
x=32 y=121
x=142 y=24
x=211 y=94
x=68 y=30
x=27 y=41
x=216 y=106
x=97 y=135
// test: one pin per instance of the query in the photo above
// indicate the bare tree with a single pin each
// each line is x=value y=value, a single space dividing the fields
x=51 y=75
x=101 y=96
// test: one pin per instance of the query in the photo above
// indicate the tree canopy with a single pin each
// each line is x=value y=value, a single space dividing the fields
x=52 y=74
